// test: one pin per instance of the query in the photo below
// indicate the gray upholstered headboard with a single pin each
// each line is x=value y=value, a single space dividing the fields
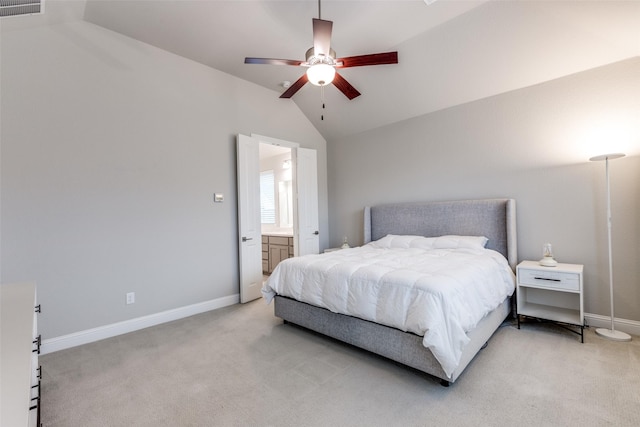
x=492 y=218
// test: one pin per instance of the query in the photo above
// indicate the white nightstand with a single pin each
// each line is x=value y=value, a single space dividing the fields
x=551 y=293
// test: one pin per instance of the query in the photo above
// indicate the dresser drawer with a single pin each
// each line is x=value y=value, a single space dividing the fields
x=549 y=279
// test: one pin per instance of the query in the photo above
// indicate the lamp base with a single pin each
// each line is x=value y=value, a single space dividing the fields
x=548 y=261
x=613 y=335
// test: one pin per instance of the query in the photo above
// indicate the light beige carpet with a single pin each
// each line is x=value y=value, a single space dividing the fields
x=241 y=366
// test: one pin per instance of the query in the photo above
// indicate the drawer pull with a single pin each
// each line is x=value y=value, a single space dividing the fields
x=38 y=343
x=546 y=278
x=37 y=406
x=38 y=309
x=36 y=399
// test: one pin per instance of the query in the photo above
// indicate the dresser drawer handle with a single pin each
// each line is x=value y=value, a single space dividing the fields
x=546 y=278
x=38 y=343
x=35 y=399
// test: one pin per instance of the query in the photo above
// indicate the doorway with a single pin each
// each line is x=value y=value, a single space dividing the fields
x=300 y=193
x=276 y=205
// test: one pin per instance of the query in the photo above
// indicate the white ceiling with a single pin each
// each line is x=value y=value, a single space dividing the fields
x=450 y=52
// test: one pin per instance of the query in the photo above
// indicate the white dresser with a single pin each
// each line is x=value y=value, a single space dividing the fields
x=19 y=348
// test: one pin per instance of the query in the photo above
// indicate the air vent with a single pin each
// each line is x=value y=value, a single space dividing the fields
x=20 y=7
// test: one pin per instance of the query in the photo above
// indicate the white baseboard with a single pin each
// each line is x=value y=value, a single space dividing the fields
x=114 y=329
x=631 y=327
x=96 y=334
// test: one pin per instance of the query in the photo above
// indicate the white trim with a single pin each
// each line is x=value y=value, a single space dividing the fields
x=631 y=327
x=275 y=141
x=114 y=329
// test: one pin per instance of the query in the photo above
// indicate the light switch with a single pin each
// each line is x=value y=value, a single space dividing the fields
x=218 y=197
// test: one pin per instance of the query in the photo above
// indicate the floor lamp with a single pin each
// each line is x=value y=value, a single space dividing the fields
x=611 y=334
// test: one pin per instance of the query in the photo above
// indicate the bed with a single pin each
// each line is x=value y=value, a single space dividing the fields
x=449 y=231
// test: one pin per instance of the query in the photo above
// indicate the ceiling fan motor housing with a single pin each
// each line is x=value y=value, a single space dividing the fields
x=313 y=59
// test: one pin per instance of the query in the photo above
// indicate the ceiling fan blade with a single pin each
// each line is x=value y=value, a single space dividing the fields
x=322 y=36
x=272 y=61
x=372 y=59
x=345 y=87
x=295 y=87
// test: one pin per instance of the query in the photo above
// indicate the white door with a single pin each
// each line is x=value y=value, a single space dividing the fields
x=306 y=182
x=250 y=236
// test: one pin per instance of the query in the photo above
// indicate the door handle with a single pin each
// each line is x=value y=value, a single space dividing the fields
x=316 y=232
x=244 y=239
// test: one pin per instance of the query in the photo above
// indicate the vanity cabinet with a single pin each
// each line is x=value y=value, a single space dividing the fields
x=274 y=250
x=265 y=254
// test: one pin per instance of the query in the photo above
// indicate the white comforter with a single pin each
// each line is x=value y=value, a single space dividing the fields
x=436 y=290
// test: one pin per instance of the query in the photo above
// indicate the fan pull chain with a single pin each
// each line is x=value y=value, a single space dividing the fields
x=322 y=99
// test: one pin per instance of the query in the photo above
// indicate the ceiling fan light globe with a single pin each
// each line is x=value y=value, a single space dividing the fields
x=321 y=74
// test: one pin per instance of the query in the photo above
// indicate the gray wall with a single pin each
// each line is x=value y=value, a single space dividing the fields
x=111 y=153
x=531 y=144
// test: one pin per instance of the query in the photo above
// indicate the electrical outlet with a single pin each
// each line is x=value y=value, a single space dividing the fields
x=131 y=297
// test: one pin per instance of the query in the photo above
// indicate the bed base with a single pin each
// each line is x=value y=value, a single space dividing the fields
x=403 y=347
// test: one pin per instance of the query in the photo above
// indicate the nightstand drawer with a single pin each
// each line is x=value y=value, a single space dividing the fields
x=549 y=279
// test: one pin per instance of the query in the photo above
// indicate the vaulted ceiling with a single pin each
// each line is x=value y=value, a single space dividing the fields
x=450 y=51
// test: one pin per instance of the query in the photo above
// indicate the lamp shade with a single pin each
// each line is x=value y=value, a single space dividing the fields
x=602 y=157
x=321 y=74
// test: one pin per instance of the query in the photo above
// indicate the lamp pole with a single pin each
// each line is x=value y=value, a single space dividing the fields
x=611 y=334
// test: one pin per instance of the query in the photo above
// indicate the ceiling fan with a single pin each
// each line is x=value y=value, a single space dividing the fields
x=321 y=62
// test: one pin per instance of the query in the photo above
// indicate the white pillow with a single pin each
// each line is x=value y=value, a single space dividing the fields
x=442 y=242
x=460 y=242
x=423 y=242
x=395 y=241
